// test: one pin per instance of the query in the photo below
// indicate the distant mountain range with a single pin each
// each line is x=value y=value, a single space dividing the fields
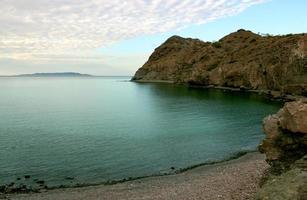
x=62 y=74
x=56 y=74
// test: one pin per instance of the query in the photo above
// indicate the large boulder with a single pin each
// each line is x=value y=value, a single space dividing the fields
x=286 y=135
x=285 y=147
x=293 y=117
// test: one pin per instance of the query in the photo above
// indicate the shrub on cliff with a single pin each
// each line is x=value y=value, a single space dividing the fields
x=217 y=44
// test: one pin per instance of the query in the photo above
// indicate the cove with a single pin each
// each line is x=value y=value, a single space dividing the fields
x=69 y=131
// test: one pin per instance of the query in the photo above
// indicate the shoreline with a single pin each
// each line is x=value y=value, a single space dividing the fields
x=23 y=190
x=248 y=158
x=152 y=81
x=273 y=95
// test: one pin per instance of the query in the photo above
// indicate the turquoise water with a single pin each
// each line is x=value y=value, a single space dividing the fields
x=100 y=129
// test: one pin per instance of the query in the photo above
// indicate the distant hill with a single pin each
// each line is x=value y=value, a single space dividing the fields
x=56 y=74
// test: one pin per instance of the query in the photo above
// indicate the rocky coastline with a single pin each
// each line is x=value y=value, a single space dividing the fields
x=285 y=147
x=241 y=59
x=274 y=66
x=267 y=94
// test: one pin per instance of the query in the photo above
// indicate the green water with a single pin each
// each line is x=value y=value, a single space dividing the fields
x=100 y=129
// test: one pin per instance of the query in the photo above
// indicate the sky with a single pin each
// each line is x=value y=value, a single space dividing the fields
x=103 y=37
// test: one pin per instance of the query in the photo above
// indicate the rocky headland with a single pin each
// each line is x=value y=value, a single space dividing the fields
x=241 y=59
x=275 y=65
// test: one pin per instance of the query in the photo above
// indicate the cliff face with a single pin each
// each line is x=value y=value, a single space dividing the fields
x=286 y=150
x=286 y=133
x=241 y=59
x=245 y=59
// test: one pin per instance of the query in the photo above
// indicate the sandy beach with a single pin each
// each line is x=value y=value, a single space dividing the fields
x=235 y=179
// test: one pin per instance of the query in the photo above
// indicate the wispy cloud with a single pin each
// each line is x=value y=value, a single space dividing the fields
x=53 y=26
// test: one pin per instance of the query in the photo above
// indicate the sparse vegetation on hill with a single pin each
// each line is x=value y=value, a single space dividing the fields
x=240 y=59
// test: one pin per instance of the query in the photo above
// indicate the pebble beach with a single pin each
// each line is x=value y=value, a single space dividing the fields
x=237 y=179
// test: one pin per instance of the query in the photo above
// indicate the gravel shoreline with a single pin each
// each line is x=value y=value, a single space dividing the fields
x=236 y=179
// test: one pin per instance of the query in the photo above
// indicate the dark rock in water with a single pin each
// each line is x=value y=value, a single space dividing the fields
x=40 y=182
x=18 y=179
x=242 y=88
x=172 y=168
x=2 y=188
x=69 y=178
x=243 y=59
x=11 y=184
x=27 y=176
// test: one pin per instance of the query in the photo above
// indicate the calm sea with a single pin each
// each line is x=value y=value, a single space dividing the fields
x=91 y=130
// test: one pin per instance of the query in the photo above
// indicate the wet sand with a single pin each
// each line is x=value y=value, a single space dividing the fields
x=235 y=179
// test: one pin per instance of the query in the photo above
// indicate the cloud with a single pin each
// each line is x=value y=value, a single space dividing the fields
x=55 y=26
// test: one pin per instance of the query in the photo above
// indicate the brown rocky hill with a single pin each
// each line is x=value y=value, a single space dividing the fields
x=241 y=59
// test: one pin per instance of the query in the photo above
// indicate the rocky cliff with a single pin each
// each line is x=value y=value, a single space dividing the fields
x=241 y=59
x=247 y=60
x=286 y=133
x=285 y=147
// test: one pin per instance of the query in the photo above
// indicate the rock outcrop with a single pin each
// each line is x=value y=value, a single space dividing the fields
x=286 y=135
x=290 y=185
x=245 y=60
x=241 y=59
x=285 y=147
